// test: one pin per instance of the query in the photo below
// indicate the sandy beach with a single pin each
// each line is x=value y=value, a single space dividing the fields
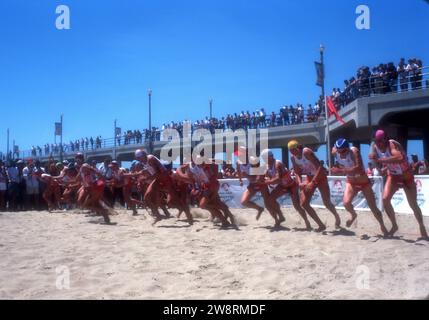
x=134 y=260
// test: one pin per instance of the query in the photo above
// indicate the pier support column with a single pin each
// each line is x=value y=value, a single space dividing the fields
x=402 y=137
x=426 y=143
x=356 y=144
x=285 y=156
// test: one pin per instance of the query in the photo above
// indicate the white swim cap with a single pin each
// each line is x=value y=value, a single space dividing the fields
x=140 y=153
x=253 y=160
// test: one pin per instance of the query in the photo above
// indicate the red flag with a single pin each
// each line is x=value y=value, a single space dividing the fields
x=332 y=110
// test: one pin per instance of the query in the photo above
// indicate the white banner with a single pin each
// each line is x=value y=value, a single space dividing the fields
x=338 y=185
x=400 y=203
x=230 y=192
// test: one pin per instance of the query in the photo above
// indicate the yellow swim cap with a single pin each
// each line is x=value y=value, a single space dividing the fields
x=292 y=144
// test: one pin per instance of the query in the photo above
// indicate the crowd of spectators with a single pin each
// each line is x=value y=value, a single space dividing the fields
x=73 y=146
x=129 y=137
x=381 y=79
x=287 y=115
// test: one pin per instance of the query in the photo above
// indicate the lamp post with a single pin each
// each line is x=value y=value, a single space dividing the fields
x=114 y=140
x=328 y=142
x=150 y=119
x=7 y=145
x=211 y=108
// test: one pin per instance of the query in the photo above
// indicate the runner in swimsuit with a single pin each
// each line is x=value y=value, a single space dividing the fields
x=161 y=182
x=306 y=163
x=280 y=176
x=391 y=154
x=195 y=176
x=256 y=183
x=350 y=164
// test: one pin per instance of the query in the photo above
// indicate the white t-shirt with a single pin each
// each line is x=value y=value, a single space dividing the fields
x=30 y=179
x=376 y=172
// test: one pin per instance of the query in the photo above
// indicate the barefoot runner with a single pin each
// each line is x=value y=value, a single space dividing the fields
x=350 y=164
x=280 y=177
x=306 y=163
x=391 y=154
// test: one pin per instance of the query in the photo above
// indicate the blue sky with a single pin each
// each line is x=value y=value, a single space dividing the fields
x=244 y=54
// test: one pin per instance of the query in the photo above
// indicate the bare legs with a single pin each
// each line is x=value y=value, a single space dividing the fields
x=411 y=193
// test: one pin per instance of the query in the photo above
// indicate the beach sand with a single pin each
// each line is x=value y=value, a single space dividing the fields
x=134 y=260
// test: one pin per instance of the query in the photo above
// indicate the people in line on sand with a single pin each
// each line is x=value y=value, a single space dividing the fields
x=390 y=154
x=161 y=187
x=349 y=163
x=306 y=163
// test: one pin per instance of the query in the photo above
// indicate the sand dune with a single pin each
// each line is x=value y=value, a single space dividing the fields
x=134 y=260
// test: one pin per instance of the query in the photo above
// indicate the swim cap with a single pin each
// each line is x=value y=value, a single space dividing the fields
x=134 y=163
x=140 y=153
x=253 y=160
x=59 y=165
x=293 y=144
x=341 y=143
x=380 y=134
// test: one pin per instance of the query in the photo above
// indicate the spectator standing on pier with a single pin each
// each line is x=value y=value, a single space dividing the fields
x=403 y=75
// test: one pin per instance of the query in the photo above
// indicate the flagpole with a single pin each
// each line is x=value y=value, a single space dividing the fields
x=61 y=139
x=328 y=145
x=7 y=145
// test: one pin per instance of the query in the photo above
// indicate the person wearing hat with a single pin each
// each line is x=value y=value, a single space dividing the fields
x=280 y=176
x=67 y=180
x=256 y=183
x=390 y=153
x=306 y=163
x=349 y=163
x=90 y=194
x=203 y=192
x=160 y=183
x=52 y=192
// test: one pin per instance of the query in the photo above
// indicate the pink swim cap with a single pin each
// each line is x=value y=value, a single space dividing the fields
x=380 y=134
